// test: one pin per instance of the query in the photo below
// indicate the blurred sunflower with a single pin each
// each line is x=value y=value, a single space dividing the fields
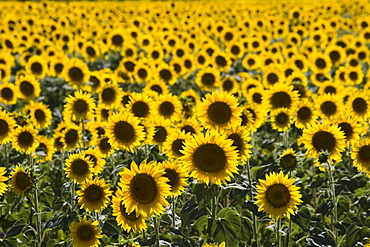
x=144 y=189
x=28 y=88
x=175 y=143
x=358 y=105
x=85 y=233
x=103 y=145
x=7 y=125
x=128 y=221
x=190 y=125
x=240 y=137
x=8 y=93
x=166 y=74
x=154 y=88
x=288 y=160
x=94 y=195
x=40 y=115
x=110 y=95
x=95 y=156
x=208 y=79
x=21 y=180
x=71 y=136
x=162 y=128
x=78 y=168
x=351 y=127
x=25 y=139
x=304 y=113
x=141 y=105
x=177 y=176
x=277 y=195
x=80 y=106
x=329 y=106
x=214 y=245
x=219 y=111
x=3 y=186
x=281 y=119
x=281 y=96
x=210 y=158
x=76 y=72
x=168 y=106
x=319 y=137
x=45 y=150
x=37 y=66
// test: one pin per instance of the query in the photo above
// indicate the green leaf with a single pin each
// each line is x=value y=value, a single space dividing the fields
x=302 y=217
x=191 y=212
x=226 y=227
x=246 y=229
x=15 y=230
x=356 y=234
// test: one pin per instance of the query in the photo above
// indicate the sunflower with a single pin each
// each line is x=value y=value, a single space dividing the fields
x=219 y=111
x=351 y=127
x=353 y=76
x=40 y=115
x=214 y=245
x=76 y=72
x=319 y=137
x=304 y=113
x=277 y=195
x=175 y=143
x=336 y=55
x=45 y=150
x=28 y=88
x=281 y=119
x=80 y=106
x=128 y=221
x=3 y=186
x=329 y=87
x=288 y=160
x=281 y=96
x=25 y=139
x=124 y=131
x=255 y=95
x=71 y=135
x=78 y=168
x=21 y=180
x=94 y=195
x=110 y=95
x=96 y=157
x=7 y=124
x=358 y=105
x=329 y=106
x=8 y=94
x=320 y=63
x=85 y=233
x=166 y=74
x=177 y=176
x=220 y=61
x=142 y=72
x=258 y=118
x=230 y=85
x=37 y=66
x=144 y=189
x=116 y=39
x=210 y=158
x=141 y=105
x=162 y=129
x=208 y=79
x=168 y=106
x=154 y=88
x=57 y=65
x=271 y=76
x=361 y=155
x=91 y=51
x=251 y=61
x=202 y=59
x=190 y=125
x=240 y=137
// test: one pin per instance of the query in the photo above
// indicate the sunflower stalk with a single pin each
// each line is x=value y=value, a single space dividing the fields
x=156 y=229
x=277 y=228
x=37 y=216
x=213 y=209
x=174 y=211
x=255 y=233
x=334 y=217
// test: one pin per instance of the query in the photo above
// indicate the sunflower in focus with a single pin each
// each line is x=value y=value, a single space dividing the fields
x=3 y=186
x=128 y=221
x=71 y=136
x=25 y=139
x=351 y=127
x=124 y=131
x=94 y=195
x=219 y=111
x=21 y=180
x=318 y=137
x=80 y=106
x=361 y=155
x=329 y=106
x=177 y=176
x=210 y=158
x=78 y=167
x=144 y=189
x=85 y=233
x=175 y=143
x=277 y=195
x=358 y=105
x=7 y=124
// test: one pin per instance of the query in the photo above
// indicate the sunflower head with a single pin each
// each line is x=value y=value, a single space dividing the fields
x=288 y=160
x=3 y=186
x=78 y=167
x=85 y=233
x=94 y=195
x=277 y=195
x=21 y=180
x=176 y=175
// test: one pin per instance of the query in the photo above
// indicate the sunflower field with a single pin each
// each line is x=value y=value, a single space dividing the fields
x=185 y=123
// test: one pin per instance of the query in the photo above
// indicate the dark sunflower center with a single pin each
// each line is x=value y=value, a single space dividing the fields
x=172 y=176
x=166 y=109
x=237 y=142
x=228 y=85
x=251 y=62
x=364 y=153
x=23 y=181
x=272 y=78
x=108 y=95
x=157 y=88
x=165 y=74
x=80 y=166
x=208 y=79
x=26 y=88
x=7 y=93
x=347 y=129
x=93 y=193
x=25 y=139
x=278 y=195
x=323 y=141
x=58 y=68
x=328 y=108
x=4 y=127
x=85 y=232
x=334 y=56
x=219 y=112
x=281 y=118
x=131 y=216
x=235 y=50
x=188 y=129
x=288 y=161
x=304 y=113
x=330 y=89
x=257 y=98
x=280 y=99
x=104 y=145
x=176 y=146
x=36 y=68
x=117 y=40
x=160 y=134
x=353 y=76
x=90 y=51
x=359 y=105
x=209 y=157
x=75 y=74
x=124 y=131
x=130 y=66
x=143 y=188
x=140 y=109
x=71 y=136
x=221 y=61
x=320 y=63
x=142 y=73
x=40 y=115
x=80 y=106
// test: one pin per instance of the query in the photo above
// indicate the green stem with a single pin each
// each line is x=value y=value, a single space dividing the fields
x=6 y=155
x=173 y=211
x=156 y=229
x=213 y=211
x=278 y=242
x=255 y=233
x=334 y=218
x=37 y=217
